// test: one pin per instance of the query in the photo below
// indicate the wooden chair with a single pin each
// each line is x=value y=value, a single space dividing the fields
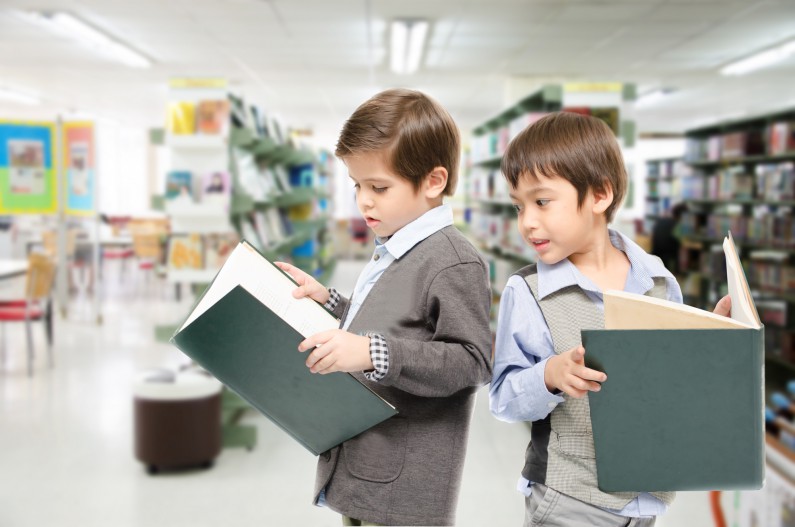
x=36 y=306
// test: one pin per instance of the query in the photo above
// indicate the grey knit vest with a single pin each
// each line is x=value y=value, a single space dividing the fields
x=561 y=452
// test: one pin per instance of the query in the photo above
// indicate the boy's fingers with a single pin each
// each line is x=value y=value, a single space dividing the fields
x=316 y=340
x=592 y=375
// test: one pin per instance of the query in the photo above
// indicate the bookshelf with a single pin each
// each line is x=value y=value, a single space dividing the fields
x=281 y=201
x=196 y=141
x=742 y=179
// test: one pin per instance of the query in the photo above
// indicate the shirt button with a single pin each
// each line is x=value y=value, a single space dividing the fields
x=377 y=257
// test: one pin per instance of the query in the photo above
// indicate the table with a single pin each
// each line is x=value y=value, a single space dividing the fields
x=12 y=278
x=11 y=268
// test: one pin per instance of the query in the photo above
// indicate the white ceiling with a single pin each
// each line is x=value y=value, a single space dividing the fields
x=313 y=61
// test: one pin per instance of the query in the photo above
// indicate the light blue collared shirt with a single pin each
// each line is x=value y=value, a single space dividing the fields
x=393 y=249
x=524 y=343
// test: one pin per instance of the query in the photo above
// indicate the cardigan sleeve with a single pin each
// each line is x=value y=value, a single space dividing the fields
x=458 y=356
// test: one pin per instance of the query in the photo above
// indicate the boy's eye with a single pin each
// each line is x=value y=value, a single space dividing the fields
x=542 y=202
x=356 y=186
x=379 y=190
x=517 y=208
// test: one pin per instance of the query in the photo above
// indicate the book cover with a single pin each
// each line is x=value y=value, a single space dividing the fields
x=217 y=189
x=179 y=185
x=682 y=407
x=217 y=248
x=181 y=118
x=212 y=117
x=245 y=330
x=185 y=252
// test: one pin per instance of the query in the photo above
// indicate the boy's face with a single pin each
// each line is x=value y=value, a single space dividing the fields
x=387 y=201
x=549 y=219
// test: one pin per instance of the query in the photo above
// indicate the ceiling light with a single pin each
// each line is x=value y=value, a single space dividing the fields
x=75 y=28
x=15 y=96
x=653 y=97
x=760 y=60
x=407 y=45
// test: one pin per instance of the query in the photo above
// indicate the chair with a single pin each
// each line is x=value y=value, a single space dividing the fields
x=36 y=306
x=148 y=249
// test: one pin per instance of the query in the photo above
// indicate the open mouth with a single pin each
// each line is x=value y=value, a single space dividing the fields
x=371 y=222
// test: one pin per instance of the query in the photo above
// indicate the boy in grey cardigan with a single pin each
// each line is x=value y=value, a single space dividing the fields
x=416 y=330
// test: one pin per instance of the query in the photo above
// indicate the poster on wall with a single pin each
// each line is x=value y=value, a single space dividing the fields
x=78 y=162
x=27 y=174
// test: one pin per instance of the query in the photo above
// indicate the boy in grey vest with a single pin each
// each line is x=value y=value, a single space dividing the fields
x=567 y=179
x=416 y=330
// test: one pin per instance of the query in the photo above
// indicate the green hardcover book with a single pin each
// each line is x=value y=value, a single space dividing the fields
x=683 y=404
x=245 y=330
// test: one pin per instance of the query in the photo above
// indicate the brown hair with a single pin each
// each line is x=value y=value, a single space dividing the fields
x=579 y=148
x=413 y=131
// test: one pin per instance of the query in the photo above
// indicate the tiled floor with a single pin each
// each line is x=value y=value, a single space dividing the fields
x=66 y=441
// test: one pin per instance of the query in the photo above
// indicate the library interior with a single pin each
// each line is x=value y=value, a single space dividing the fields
x=142 y=141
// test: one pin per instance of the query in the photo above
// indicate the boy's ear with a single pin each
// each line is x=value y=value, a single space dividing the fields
x=602 y=198
x=435 y=182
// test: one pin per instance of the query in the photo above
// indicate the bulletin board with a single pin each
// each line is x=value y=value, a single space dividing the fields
x=27 y=173
x=80 y=168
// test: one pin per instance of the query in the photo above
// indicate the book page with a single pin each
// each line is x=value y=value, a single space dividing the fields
x=268 y=284
x=743 y=309
x=633 y=311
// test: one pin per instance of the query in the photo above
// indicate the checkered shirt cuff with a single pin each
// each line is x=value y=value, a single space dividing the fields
x=333 y=299
x=379 y=353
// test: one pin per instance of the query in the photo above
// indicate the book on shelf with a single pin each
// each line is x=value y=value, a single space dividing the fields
x=185 y=252
x=248 y=174
x=610 y=116
x=217 y=189
x=217 y=248
x=682 y=406
x=237 y=112
x=181 y=118
x=212 y=117
x=179 y=185
x=245 y=330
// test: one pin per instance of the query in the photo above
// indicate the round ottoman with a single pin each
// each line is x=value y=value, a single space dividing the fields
x=177 y=419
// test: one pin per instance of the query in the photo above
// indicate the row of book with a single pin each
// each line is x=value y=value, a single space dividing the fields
x=212 y=188
x=260 y=181
x=209 y=117
x=488 y=185
x=254 y=119
x=774 y=230
x=196 y=252
x=499 y=232
x=493 y=143
x=770 y=182
x=775 y=139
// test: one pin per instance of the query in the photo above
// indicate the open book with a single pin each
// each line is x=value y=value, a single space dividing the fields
x=245 y=330
x=683 y=404
x=631 y=311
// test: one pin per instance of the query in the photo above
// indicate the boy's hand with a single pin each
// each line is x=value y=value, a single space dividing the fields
x=567 y=372
x=337 y=350
x=307 y=285
x=724 y=306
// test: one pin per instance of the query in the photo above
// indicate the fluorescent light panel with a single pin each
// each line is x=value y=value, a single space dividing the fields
x=407 y=44
x=71 y=26
x=19 y=97
x=653 y=97
x=760 y=60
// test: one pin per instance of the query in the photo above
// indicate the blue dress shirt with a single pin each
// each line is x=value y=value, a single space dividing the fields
x=524 y=343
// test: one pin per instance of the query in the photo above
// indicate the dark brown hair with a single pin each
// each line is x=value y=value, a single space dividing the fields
x=413 y=131
x=578 y=148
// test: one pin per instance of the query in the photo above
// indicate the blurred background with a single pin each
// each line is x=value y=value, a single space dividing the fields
x=140 y=140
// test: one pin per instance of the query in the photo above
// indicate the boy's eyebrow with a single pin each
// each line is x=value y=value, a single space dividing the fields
x=532 y=191
x=375 y=179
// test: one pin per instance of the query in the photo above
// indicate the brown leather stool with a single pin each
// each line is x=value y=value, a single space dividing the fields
x=177 y=420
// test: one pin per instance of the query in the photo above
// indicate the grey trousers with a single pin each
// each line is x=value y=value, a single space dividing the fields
x=549 y=508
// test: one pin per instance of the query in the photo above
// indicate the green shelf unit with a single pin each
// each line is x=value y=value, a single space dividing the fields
x=548 y=99
x=163 y=333
x=241 y=137
x=298 y=196
x=745 y=160
x=234 y=434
